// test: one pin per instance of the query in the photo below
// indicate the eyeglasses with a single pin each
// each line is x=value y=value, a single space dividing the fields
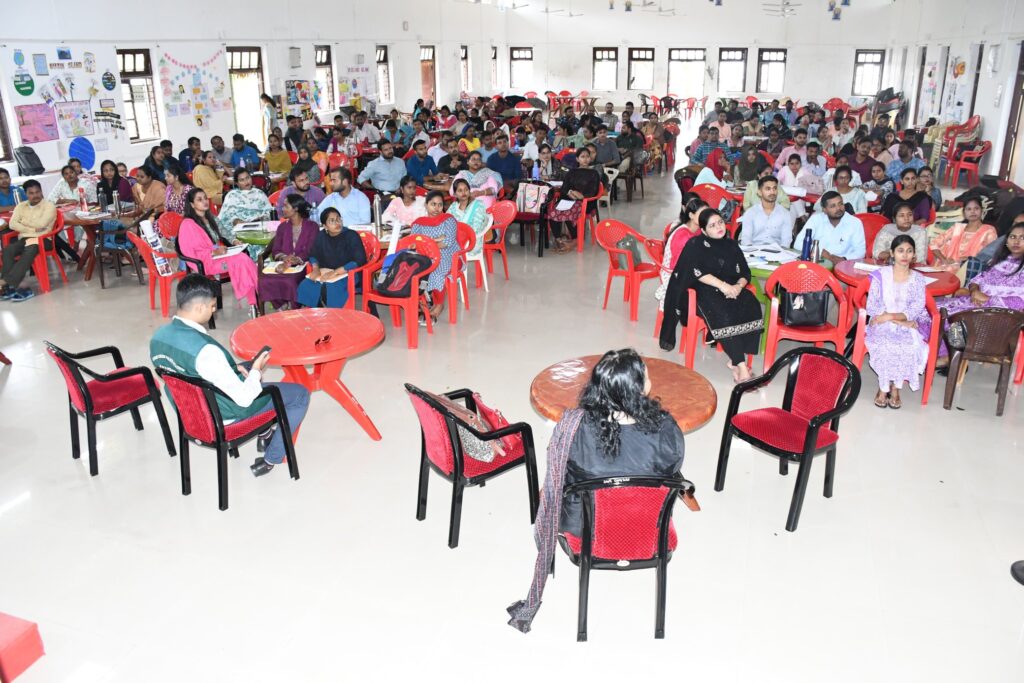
x=322 y=340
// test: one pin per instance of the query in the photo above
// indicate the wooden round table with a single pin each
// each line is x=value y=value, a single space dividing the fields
x=685 y=394
x=945 y=282
x=293 y=336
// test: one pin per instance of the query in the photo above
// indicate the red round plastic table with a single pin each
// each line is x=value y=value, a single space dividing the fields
x=685 y=394
x=292 y=336
x=945 y=282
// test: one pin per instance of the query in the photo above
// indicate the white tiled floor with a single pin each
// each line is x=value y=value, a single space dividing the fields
x=901 y=576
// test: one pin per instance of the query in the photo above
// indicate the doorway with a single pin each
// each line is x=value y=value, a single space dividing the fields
x=1011 y=164
x=979 y=54
x=245 y=71
x=922 y=56
x=428 y=73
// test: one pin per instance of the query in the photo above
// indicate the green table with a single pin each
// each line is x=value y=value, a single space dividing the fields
x=254 y=237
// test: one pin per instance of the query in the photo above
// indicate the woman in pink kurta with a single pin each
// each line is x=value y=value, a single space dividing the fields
x=406 y=207
x=199 y=239
x=484 y=184
x=963 y=240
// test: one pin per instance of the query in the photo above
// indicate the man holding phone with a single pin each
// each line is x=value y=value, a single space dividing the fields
x=184 y=346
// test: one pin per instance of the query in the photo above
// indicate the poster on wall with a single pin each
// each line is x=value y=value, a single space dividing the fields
x=39 y=65
x=297 y=96
x=75 y=118
x=36 y=123
x=193 y=90
x=108 y=122
x=956 y=90
x=352 y=89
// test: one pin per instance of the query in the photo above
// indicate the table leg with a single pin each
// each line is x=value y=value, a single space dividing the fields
x=760 y=296
x=87 y=259
x=327 y=376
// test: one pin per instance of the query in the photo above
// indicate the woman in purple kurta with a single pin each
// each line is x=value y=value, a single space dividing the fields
x=896 y=304
x=291 y=246
x=1000 y=286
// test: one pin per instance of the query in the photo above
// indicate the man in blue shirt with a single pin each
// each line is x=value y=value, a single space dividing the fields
x=420 y=166
x=700 y=155
x=506 y=164
x=487 y=147
x=352 y=204
x=10 y=195
x=385 y=172
x=189 y=157
x=243 y=154
x=905 y=159
x=840 y=235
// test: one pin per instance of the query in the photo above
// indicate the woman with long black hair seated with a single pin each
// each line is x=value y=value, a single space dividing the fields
x=579 y=184
x=336 y=251
x=713 y=264
x=618 y=430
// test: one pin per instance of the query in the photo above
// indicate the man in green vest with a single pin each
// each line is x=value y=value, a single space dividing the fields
x=184 y=346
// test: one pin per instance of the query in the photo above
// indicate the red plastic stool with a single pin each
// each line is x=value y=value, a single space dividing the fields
x=20 y=646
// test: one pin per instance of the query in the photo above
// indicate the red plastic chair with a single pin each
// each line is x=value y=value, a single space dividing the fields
x=274 y=196
x=106 y=395
x=155 y=278
x=587 y=219
x=858 y=299
x=627 y=524
x=416 y=301
x=969 y=162
x=456 y=282
x=691 y=104
x=702 y=105
x=441 y=450
x=294 y=156
x=696 y=329
x=529 y=93
x=371 y=246
x=715 y=195
x=1017 y=379
x=503 y=213
x=199 y=420
x=873 y=224
x=609 y=232
x=168 y=224
x=821 y=387
x=949 y=142
x=801 y=277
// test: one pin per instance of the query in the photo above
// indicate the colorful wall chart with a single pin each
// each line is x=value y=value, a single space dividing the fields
x=75 y=118
x=194 y=90
x=36 y=123
x=352 y=89
x=297 y=98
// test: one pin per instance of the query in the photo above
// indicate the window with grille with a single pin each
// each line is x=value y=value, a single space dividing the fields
x=771 y=70
x=732 y=70
x=464 y=70
x=139 y=95
x=606 y=68
x=324 y=76
x=244 y=59
x=383 y=75
x=426 y=53
x=520 y=67
x=494 y=67
x=641 y=68
x=867 y=72
x=686 y=72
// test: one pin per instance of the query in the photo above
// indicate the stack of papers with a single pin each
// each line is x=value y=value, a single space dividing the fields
x=270 y=268
x=794 y=190
x=769 y=254
x=870 y=267
x=232 y=251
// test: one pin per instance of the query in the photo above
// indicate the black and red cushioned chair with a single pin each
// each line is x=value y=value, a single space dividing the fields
x=821 y=387
x=627 y=524
x=96 y=396
x=199 y=420
x=441 y=450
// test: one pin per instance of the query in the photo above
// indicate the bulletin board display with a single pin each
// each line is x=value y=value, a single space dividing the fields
x=196 y=90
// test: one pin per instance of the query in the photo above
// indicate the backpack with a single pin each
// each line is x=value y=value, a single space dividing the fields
x=629 y=244
x=28 y=161
x=397 y=281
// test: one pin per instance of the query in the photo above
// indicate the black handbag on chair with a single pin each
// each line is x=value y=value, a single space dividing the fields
x=804 y=309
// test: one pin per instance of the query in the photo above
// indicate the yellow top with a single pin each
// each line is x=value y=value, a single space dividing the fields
x=209 y=181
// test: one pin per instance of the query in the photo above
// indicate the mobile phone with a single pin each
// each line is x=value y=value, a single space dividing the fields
x=265 y=349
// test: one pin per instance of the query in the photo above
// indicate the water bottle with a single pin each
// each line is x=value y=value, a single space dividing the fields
x=376 y=212
x=82 y=203
x=815 y=252
x=805 y=252
x=117 y=205
x=536 y=171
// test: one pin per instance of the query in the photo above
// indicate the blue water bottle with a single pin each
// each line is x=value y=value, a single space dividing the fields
x=805 y=252
x=536 y=172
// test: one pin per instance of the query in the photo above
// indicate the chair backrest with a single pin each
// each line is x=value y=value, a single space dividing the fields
x=609 y=232
x=192 y=398
x=873 y=224
x=169 y=223
x=147 y=253
x=503 y=212
x=294 y=156
x=437 y=439
x=992 y=333
x=626 y=518
x=274 y=196
x=467 y=240
x=977 y=153
x=72 y=376
x=819 y=379
x=421 y=244
x=371 y=245
x=800 y=277
x=712 y=194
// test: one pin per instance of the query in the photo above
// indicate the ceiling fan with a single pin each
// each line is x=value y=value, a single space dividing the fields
x=671 y=12
x=780 y=9
x=547 y=9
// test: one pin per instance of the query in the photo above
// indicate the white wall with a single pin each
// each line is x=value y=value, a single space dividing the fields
x=820 y=51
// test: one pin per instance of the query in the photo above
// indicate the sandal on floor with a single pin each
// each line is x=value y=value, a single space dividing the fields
x=882 y=402
x=895 y=403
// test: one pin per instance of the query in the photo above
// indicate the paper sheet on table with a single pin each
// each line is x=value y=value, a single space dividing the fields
x=769 y=254
x=396 y=234
x=930 y=280
x=555 y=183
x=232 y=251
x=794 y=190
x=928 y=269
x=870 y=267
x=270 y=268
x=565 y=204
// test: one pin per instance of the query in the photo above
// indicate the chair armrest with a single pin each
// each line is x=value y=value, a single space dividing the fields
x=111 y=351
x=118 y=374
x=457 y=394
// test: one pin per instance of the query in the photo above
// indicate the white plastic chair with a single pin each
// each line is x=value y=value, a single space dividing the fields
x=479 y=258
